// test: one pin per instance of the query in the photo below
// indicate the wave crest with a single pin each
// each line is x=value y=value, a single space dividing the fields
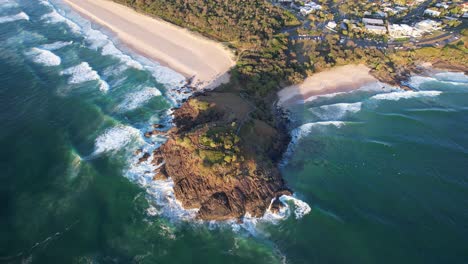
x=84 y=73
x=44 y=57
x=336 y=111
x=395 y=96
x=19 y=16
x=137 y=99
x=115 y=138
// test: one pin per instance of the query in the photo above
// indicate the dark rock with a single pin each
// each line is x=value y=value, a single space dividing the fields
x=144 y=158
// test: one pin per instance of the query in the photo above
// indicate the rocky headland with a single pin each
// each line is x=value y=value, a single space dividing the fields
x=222 y=159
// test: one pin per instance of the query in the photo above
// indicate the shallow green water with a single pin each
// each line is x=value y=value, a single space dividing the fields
x=388 y=185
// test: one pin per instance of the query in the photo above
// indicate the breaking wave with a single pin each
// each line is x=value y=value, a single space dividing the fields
x=45 y=3
x=137 y=99
x=300 y=208
x=54 y=17
x=300 y=132
x=115 y=138
x=395 y=96
x=19 y=16
x=110 y=49
x=8 y=4
x=454 y=78
x=336 y=111
x=44 y=57
x=84 y=73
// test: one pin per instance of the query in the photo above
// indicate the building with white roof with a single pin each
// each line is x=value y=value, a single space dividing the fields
x=376 y=29
x=309 y=8
x=403 y=31
x=432 y=12
x=428 y=25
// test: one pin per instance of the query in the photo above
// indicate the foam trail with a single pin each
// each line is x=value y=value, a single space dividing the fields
x=56 y=45
x=137 y=99
x=44 y=57
x=395 y=96
x=115 y=138
x=19 y=16
x=336 y=111
x=84 y=73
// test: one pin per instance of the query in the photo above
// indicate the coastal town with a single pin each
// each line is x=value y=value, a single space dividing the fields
x=396 y=24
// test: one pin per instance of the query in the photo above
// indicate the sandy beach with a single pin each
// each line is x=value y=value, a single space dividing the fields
x=338 y=79
x=186 y=52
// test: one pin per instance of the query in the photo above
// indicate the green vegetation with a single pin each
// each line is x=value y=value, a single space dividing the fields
x=250 y=27
x=219 y=146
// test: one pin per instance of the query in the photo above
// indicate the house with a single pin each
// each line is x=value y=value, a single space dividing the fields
x=373 y=21
x=443 y=5
x=376 y=29
x=403 y=31
x=331 y=25
x=432 y=12
x=428 y=25
x=309 y=8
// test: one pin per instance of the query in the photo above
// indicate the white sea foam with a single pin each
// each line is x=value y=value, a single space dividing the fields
x=139 y=98
x=19 y=16
x=110 y=49
x=45 y=3
x=335 y=111
x=84 y=73
x=54 y=17
x=370 y=87
x=159 y=192
x=395 y=96
x=301 y=208
x=44 y=57
x=305 y=129
x=56 y=45
x=298 y=133
x=116 y=138
x=453 y=77
x=8 y=4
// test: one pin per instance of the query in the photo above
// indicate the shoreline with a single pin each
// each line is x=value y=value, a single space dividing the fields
x=335 y=80
x=204 y=61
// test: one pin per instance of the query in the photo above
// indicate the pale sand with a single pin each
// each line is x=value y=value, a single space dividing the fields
x=338 y=79
x=178 y=48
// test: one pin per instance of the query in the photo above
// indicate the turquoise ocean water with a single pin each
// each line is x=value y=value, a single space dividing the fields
x=384 y=172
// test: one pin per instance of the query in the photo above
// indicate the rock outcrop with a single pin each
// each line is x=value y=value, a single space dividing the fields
x=214 y=169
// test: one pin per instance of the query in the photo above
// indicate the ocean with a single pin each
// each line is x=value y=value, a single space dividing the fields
x=383 y=172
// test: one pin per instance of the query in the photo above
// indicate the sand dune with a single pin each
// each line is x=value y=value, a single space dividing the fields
x=178 y=48
x=339 y=79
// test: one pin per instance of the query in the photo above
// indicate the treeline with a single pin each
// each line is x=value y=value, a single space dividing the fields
x=251 y=27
